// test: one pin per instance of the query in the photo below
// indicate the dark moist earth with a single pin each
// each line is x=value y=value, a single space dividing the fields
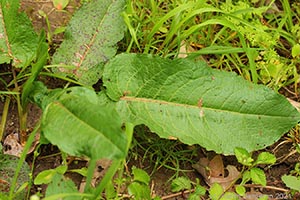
x=49 y=156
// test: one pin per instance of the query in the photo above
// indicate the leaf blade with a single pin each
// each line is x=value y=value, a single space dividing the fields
x=90 y=40
x=18 y=41
x=190 y=101
x=77 y=127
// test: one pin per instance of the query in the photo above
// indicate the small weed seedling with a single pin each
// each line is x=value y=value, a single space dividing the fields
x=293 y=180
x=251 y=171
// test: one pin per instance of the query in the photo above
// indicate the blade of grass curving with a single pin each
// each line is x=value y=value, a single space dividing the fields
x=41 y=60
x=220 y=50
x=90 y=40
x=115 y=164
x=18 y=41
x=170 y=14
x=196 y=104
x=132 y=32
x=181 y=23
x=89 y=176
x=21 y=161
x=195 y=28
x=226 y=23
x=49 y=74
x=65 y=195
x=288 y=14
x=4 y=117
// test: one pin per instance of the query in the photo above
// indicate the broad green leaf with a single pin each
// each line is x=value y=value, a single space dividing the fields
x=80 y=125
x=61 y=169
x=243 y=156
x=194 y=196
x=90 y=40
x=215 y=191
x=198 y=105
x=60 y=186
x=296 y=50
x=110 y=191
x=140 y=176
x=292 y=182
x=246 y=177
x=198 y=192
x=139 y=191
x=230 y=196
x=44 y=177
x=82 y=171
x=18 y=41
x=180 y=183
x=258 y=176
x=265 y=158
x=40 y=95
x=241 y=190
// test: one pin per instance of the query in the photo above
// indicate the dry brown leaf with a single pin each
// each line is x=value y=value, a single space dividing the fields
x=12 y=146
x=216 y=167
x=185 y=49
x=182 y=50
x=202 y=167
x=225 y=182
x=213 y=171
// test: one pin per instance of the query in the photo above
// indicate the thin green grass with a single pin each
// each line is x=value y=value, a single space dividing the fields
x=248 y=34
x=157 y=153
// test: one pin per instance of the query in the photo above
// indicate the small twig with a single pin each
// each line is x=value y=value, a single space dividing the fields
x=281 y=143
x=4 y=117
x=289 y=91
x=283 y=158
x=152 y=192
x=266 y=187
x=21 y=111
x=48 y=156
x=178 y=194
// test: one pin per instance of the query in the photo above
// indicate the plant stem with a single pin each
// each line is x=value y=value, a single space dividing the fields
x=21 y=111
x=107 y=177
x=115 y=164
x=90 y=172
x=35 y=155
x=4 y=117
x=129 y=134
x=22 y=160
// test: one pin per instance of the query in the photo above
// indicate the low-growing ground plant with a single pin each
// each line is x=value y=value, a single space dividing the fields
x=292 y=180
x=232 y=186
x=176 y=98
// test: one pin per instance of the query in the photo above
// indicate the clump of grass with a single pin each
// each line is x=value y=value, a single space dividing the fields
x=157 y=153
x=252 y=39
